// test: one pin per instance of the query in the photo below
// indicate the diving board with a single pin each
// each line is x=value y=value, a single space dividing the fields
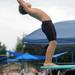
x=58 y=67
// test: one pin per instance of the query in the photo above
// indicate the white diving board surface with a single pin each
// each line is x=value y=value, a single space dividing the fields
x=58 y=67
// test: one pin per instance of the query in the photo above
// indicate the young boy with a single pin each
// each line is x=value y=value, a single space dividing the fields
x=47 y=27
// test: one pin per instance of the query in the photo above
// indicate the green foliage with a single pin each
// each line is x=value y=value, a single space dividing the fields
x=67 y=58
x=19 y=45
x=2 y=49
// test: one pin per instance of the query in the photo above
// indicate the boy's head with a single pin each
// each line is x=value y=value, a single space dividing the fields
x=21 y=10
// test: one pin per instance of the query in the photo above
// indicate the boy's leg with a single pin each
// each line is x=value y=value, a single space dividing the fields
x=50 y=52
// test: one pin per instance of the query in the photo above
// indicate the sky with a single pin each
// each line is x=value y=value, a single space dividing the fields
x=13 y=24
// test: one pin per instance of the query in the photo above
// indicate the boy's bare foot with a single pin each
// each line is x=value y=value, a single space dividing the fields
x=50 y=64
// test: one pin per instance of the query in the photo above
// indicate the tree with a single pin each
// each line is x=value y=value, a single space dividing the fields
x=19 y=45
x=2 y=49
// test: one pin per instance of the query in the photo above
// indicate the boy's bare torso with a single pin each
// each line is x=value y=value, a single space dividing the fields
x=34 y=12
x=39 y=14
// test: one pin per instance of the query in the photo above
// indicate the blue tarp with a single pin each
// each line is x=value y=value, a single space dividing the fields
x=29 y=57
x=65 y=34
x=21 y=56
x=26 y=57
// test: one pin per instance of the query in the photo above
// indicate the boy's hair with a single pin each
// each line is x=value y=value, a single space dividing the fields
x=21 y=10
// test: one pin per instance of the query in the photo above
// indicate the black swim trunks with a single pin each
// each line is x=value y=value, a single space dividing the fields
x=49 y=30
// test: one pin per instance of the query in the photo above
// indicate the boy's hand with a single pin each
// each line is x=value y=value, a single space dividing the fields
x=19 y=1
